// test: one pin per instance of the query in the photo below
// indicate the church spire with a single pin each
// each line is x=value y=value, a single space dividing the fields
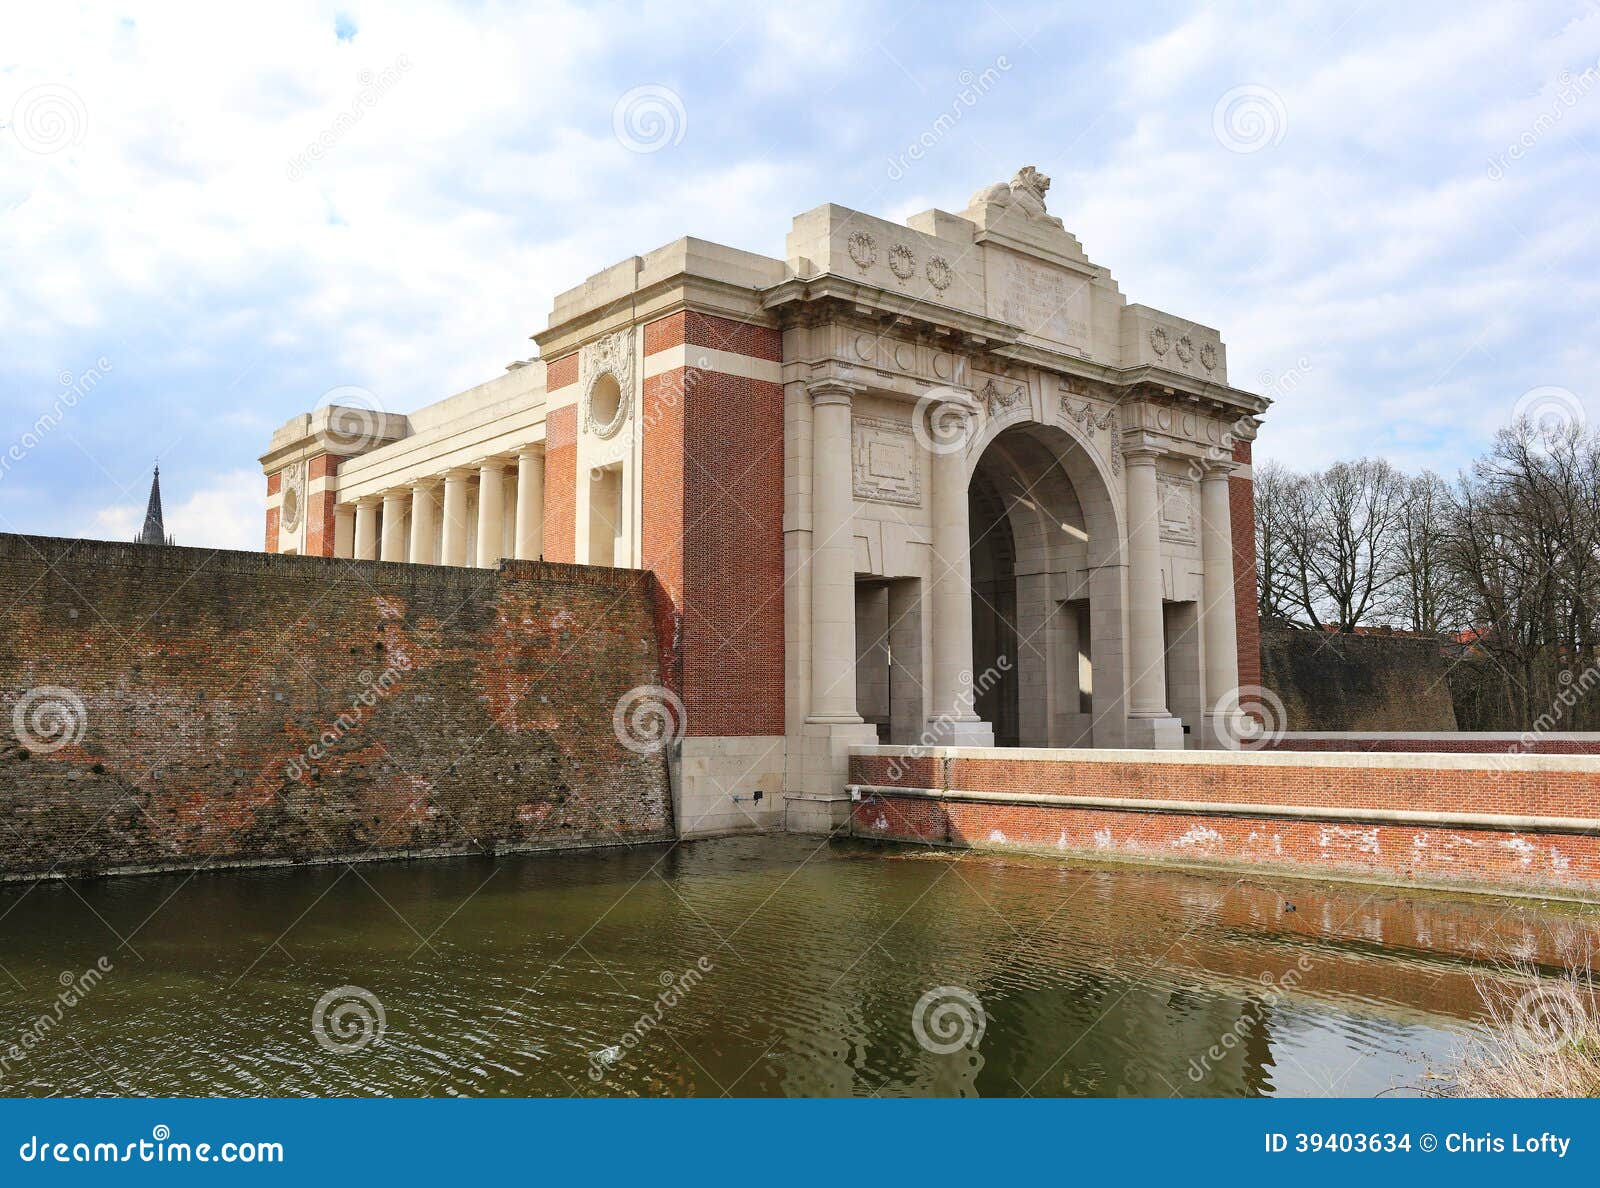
x=154 y=532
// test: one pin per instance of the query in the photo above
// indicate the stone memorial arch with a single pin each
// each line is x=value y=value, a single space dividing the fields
x=934 y=482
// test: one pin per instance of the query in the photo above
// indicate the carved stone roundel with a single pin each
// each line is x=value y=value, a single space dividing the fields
x=1159 y=340
x=610 y=356
x=1208 y=357
x=901 y=262
x=863 y=249
x=940 y=274
x=1184 y=349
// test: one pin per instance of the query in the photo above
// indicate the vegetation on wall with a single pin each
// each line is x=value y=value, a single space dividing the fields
x=1502 y=565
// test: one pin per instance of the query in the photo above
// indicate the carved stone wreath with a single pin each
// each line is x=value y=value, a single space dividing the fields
x=613 y=356
x=863 y=249
x=1159 y=342
x=940 y=274
x=1208 y=357
x=901 y=262
x=1184 y=349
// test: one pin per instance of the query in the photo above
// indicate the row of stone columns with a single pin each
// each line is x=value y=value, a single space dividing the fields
x=422 y=498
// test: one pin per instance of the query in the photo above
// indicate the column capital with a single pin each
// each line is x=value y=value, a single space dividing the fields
x=1141 y=455
x=424 y=484
x=1217 y=468
x=533 y=449
x=833 y=391
x=459 y=473
x=369 y=501
x=493 y=462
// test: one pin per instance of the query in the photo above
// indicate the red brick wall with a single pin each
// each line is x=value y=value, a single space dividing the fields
x=239 y=707
x=561 y=484
x=713 y=523
x=1430 y=853
x=561 y=372
x=690 y=328
x=1242 y=504
x=319 y=507
x=272 y=529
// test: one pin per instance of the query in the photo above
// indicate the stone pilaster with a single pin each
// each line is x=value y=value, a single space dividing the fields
x=1150 y=724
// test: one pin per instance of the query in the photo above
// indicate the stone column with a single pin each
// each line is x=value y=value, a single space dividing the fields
x=367 y=528
x=394 y=525
x=422 y=527
x=833 y=557
x=1149 y=722
x=453 y=550
x=491 y=511
x=952 y=721
x=530 y=503
x=1218 y=625
x=344 y=530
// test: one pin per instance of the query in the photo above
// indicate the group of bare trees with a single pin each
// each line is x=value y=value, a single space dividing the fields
x=1503 y=564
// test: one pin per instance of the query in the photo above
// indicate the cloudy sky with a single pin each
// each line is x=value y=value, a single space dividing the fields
x=1388 y=210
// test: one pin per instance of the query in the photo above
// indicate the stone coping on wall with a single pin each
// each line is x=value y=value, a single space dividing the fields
x=1437 y=735
x=1392 y=760
x=54 y=549
x=1216 y=808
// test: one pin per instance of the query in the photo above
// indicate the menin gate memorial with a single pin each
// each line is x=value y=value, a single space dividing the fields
x=933 y=483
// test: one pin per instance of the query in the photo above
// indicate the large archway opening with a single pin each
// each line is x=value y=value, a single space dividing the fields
x=1046 y=592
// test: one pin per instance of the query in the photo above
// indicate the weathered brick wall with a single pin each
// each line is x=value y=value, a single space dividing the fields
x=1329 y=815
x=238 y=707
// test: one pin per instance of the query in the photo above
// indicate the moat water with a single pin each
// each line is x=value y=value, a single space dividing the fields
x=794 y=968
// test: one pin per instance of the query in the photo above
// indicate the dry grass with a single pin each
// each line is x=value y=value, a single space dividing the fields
x=1543 y=1036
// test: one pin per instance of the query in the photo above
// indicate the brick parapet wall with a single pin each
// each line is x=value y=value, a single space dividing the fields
x=1526 y=822
x=242 y=708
